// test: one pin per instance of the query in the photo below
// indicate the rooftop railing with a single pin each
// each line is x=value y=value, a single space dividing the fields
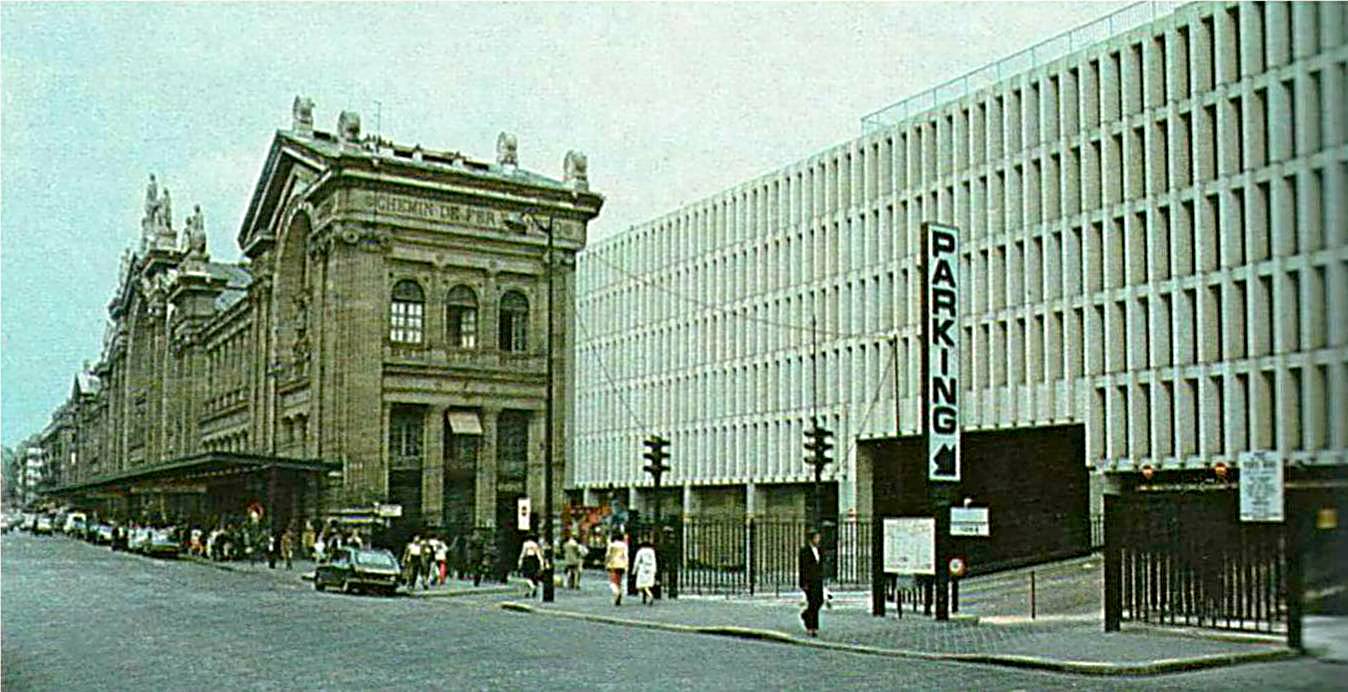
x=1063 y=44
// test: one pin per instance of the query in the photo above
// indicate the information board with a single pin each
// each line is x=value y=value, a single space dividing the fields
x=1261 y=487
x=969 y=521
x=910 y=545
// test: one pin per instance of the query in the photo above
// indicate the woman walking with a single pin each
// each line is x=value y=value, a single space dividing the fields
x=531 y=562
x=615 y=561
x=645 y=567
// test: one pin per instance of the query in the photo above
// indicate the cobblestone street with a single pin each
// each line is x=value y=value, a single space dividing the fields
x=79 y=617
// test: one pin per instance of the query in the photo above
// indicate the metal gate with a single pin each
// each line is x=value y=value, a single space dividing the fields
x=1179 y=558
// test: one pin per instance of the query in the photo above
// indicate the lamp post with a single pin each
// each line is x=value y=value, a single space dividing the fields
x=549 y=589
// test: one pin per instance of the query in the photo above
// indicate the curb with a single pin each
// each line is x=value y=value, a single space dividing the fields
x=454 y=593
x=1098 y=668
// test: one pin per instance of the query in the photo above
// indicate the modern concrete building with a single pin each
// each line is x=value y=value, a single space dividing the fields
x=1154 y=245
x=384 y=342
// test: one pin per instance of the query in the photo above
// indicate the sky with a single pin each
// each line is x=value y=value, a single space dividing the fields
x=671 y=103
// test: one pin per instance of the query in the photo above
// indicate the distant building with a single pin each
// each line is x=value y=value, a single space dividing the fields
x=1154 y=229
x=384 y=342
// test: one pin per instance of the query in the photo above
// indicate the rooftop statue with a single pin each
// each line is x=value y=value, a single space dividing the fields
x=507 y=150
x=575 y=170
x=302 y=115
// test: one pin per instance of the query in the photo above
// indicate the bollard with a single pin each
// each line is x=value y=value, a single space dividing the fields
x=1032 y=603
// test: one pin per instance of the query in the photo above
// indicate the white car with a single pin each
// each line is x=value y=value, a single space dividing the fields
x=138 y=539
x=43 y=525
x=75 y=523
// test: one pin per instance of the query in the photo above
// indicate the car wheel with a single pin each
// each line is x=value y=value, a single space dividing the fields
x=318 y=584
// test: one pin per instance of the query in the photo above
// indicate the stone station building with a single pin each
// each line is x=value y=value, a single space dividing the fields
x=383 y=342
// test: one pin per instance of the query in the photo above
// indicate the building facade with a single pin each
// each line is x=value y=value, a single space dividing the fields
x=1154 y=245
x=384 y=341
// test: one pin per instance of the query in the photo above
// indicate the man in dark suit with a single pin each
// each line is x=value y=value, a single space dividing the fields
x=810 y=577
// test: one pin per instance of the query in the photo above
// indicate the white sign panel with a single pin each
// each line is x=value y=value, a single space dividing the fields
x=524 y=510
x=910 y=545
x=1261 y=487
x=969 y=521
x=941 y=334
x=389 y=510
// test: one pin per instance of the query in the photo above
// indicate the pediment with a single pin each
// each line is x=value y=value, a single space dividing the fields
x=290 y=168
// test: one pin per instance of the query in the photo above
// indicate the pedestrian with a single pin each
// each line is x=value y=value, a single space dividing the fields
x=573 y=553
x=412 y=563
x=644 y=565
x=307 y=539
x=475 y=557
x=441 y=559
x=531 y=563
x=810 y=577
x=615 y=561
x=273 y=548
x=287 y=547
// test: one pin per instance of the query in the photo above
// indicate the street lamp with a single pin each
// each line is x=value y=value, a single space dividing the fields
x=549 y=589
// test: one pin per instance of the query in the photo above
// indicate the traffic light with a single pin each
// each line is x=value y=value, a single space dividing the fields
x=656 y=456
x=818 y=442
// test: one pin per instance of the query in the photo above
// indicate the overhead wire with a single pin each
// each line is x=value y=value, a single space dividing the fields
x=719 y=308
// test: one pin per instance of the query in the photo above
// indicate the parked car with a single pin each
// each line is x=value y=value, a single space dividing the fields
x=162 y=542
x=363 y=569
x=137 y=539
x=74 y=524
x=43 y=526
x=103 y=534
x=29 y=522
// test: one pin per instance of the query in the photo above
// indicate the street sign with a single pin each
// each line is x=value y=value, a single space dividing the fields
x=1261 y=487
x=524 y=509
x=389 y=511
x=969 y=521
x=941 y=345
x=910 y=545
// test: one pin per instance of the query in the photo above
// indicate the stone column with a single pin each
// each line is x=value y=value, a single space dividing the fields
x=533 y=483
x=433 y=469
x=487 y=315
x=485 y=492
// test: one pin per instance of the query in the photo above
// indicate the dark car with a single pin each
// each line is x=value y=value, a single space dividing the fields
x=364 y=569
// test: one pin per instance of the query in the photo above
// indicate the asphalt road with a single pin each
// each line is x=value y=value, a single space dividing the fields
x=78 y=617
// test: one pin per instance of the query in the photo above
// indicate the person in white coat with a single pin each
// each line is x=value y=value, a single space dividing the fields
x=645 y=566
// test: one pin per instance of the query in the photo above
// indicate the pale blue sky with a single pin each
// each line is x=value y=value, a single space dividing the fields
x=670 y=102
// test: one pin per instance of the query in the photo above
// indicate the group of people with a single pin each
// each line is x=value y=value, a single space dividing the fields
x=430 y=560
x=644 y=563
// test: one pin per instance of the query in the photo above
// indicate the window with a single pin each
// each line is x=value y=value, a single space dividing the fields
x=405 y=435
x=462 y=317
x=514 y=322
x=409 y=305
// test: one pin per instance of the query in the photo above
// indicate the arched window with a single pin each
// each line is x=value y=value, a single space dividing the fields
x=462 y=313
x=406 y=318
x=514 y=324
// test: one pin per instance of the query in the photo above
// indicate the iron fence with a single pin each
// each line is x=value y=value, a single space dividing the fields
x=752 y=556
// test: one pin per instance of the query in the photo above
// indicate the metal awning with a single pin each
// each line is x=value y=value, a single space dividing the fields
x=464 y=423
x=197 y=466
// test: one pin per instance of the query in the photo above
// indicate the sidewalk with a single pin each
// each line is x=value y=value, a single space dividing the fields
x=1069 y=643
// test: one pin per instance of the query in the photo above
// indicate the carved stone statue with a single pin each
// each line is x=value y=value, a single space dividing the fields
x=166 y=210
x=348 y=127
x=151 y=198
x=196 y=236
x=575 y=170
x=302 y=115
x=507 y=150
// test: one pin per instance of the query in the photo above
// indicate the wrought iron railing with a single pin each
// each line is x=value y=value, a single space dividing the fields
x=1043 y=52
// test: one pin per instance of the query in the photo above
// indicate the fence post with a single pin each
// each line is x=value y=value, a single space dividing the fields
x=750 y=564
x=1295 y=586
x=1113 y=565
